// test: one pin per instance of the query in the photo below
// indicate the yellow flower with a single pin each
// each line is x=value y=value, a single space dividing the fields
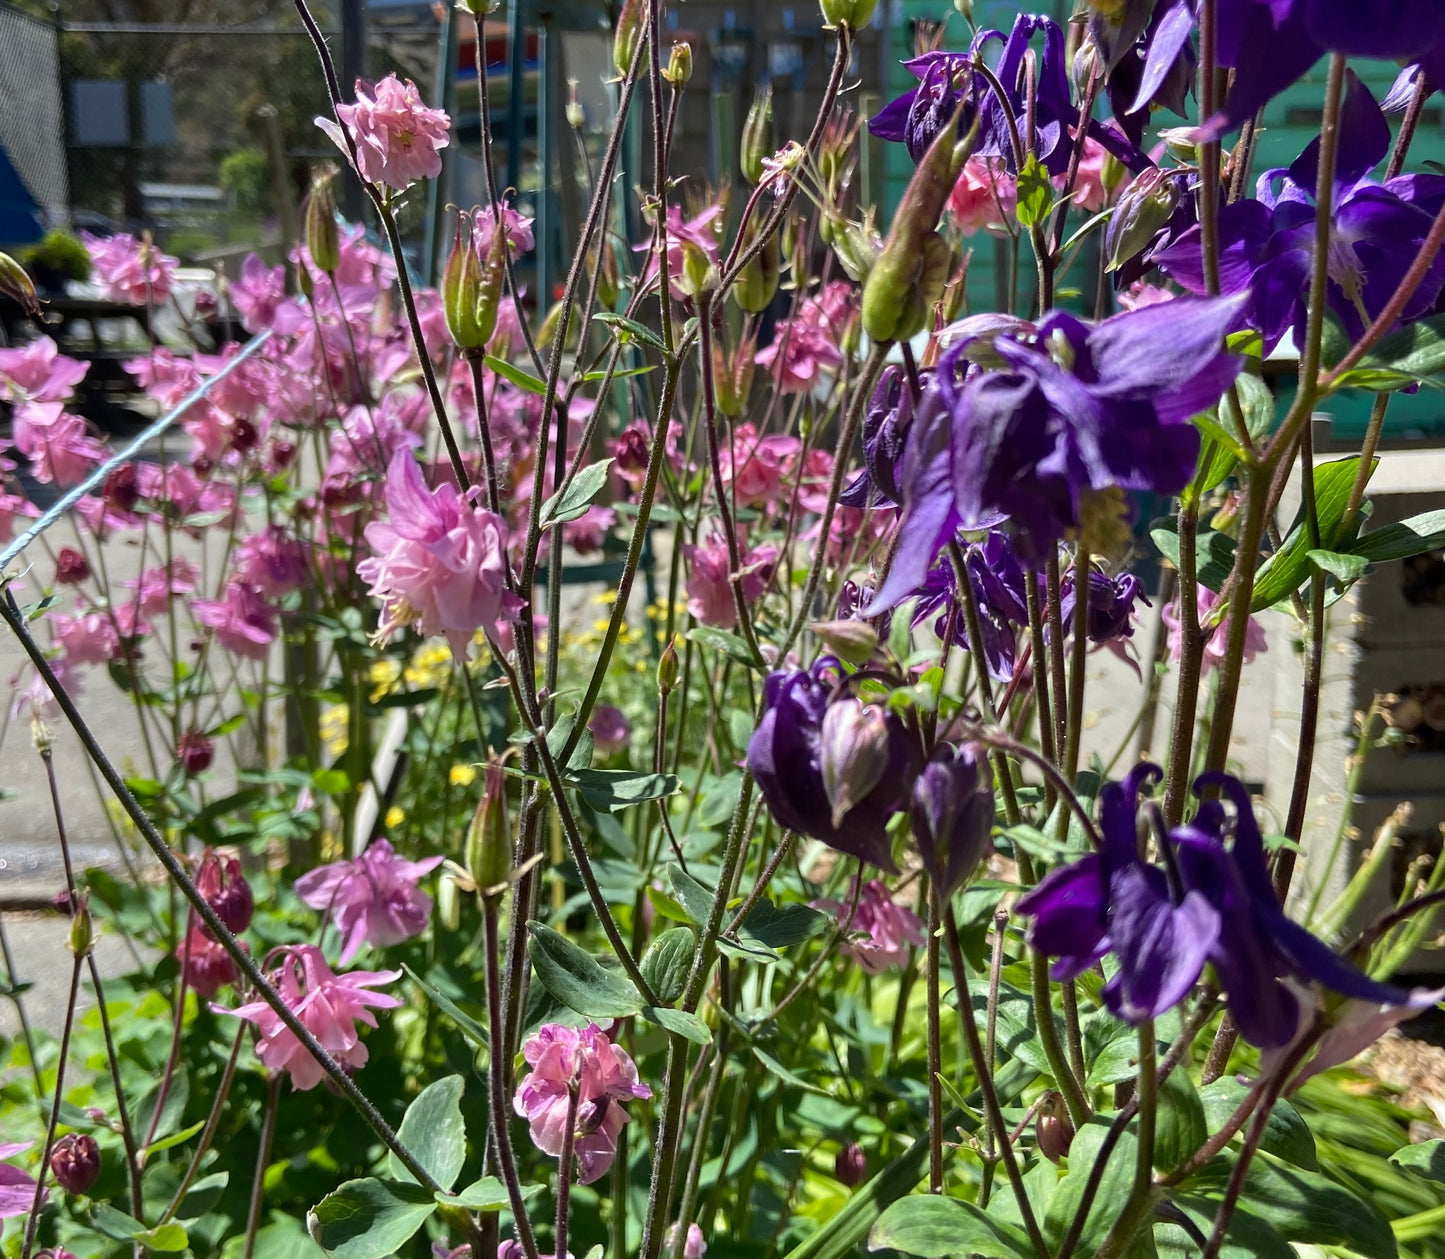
x=394 y=817
x=462 y=775
x=384 y=675
x=334 y=730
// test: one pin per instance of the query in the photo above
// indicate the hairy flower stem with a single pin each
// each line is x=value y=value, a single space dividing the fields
x=705 y=1112
x=1140 y=1201
x=984 y=1076
x=1207 y=85
x=496 y=1087
x=1074 y=722
x=263 y=1157
x=935 y=1053
x=55 y=1105
x=245 y=963
x=665 y=1149
x=564 y=1171
x=484 y=428
x=213 y=1120
x=1042 y=698
x=1191 y=665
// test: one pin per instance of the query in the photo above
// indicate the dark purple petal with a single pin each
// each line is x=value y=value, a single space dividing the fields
x=1069 y=915
x=1161 y=947
x=1164 y=346
x=889 y=123
x=1173 y=21
x=1266 y=56
x=1364 y=139
x=1391 y=29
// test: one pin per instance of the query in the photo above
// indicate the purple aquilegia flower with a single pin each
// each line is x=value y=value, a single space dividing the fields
x=1112 y=611
x=1000 y=591
x=17 y=1189
x=885 y=433
x=1075 y=408
x=1147 y=58
x=374 y=897
x=566 y=1058
x=1379 y=229
x=880 y=931
x=951 y=810
x=838 y=777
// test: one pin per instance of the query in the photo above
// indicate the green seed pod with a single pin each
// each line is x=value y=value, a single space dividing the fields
x=494 y=273
x=323 y=241
x=82 y=930
x=16 y=284
x=679 y=64
x=489 y=842
x=853 y=641
x=627 y=35
x=462 y=289
x=854 y=14
x=758 y=281
x=757 y=139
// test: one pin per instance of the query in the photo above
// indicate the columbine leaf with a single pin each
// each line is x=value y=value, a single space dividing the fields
x=1284 y=571
x=1425 y=1159
x=577 y=497
x=609 y=790
x=467 y=1025
x=577 y=979
x=1346 y=569
x=370 y=1218
x=625 y=329
x=1214 y=551
x=433 y=1130
x=684 y=1024
x=935 y=1227
x=1286 y=1135
x=523 y=380
x=487 y=1194
x=1035 y=192
x=1415 y=536
x=667 y=961
x=1412 y=355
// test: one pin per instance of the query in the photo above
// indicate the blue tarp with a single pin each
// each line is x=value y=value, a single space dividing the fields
x=20 y=218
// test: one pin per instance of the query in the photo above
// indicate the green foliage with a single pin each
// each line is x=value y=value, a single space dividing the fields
x=60 y=252
x=246 y=176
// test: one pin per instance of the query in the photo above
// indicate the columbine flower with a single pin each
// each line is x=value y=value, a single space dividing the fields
x=694 y=1245
x=709 y=583
x=610 y=729
x=1378 y=231
x=328 y=1005
x=886 y=424
x=1075 y=408
x=756 y=467
x=38 y=372
x=520 y=239
x=17 y=1190
x=802 y=351
x=439 y=563
x=699 y=233
x=220 y=881
x=984 y=197
x=881 y=930
x=398 y=139
x=75 y=1162
x=563 y=1059
x=272 y=562
x=130 y=270
x=91 y=638
x=951 y=810
x=207 y=967
x=374 y=897
x=1111 y=613
x=785 y=756
x=195 y=752
x=1215 y=636
x=243 y=623
x=258 y=294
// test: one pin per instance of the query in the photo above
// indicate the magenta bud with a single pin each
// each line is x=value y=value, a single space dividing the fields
x=75 y=1162
x=71 y=567
x=1053 y=1131
x=226 y=891
x=850 y=1168
x=194 y=753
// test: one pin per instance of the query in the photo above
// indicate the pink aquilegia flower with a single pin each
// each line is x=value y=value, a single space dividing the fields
x=374 y=897
x=130 y=270
x=272 y=562
x=439 y=563
x=518 y=228
x=258 y=294
x=610 y=729
x=756 y=467
x=38 y=372
x=328 y=1005
x=243 y=623
x=17 y=1189
x=604 y=1076
x=1215 y=635
x=91 y=638
x=881 y=929
x=801 y=352
x=1090 y=194
x=984 y=196
x=709 y=589
x=207 y=967
x=699 y=232
x=694 y=1245
x=398 y=139
x=1141 y=293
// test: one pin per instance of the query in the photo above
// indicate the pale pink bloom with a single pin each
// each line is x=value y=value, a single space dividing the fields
x=130 y=270
x=206 y=965
x=258 y=293
x=694 y=1245
x=508 y=1250
x=244 y=623
x=164 y=376
x=39 y=372
x=1215 y=635
x=181 y=495
x=1089 y=192
x=756 y=467
x=17 y=1189
x=398 y=139
x=11 y=506
x=519 y=230
x=1141 y=293
x=700 y=231
x=374 y=898
x=61 y=450
x=155 y=586
x=984 y=197
x=368 y=440
x=709 y=592
x=90 y=638
x=272 y=562
x=610 y=729
x=832 y=308
x=800 y=354
x=328 y=1005
x=34 y=699
x=881 y=930
x=585 y=534
x=604 y=1076
x=438 y=563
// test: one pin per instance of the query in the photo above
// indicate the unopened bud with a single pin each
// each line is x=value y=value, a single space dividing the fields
x=850 y=1167
x=854 y=753
x=1181 y=143
x=1144 y=207
x=323 y=241
x=71 y=567
x=1086 y=65
x=858 y=245
x=679 y=64
x=853 y=641
x=854 y=14
x=733 y=375
x=489 y=841
x=951 y=812
x=1053 y=1131
x=16 y=284
x=462 y=290
x=449 y=905
x=757 y=137
x=575 y=115
x=757 y=282
x=220 y=881
x=75 y=1162
x=629 y=32
x=667 y=670
x=478 y=8
x=195 y=752
x=699 y=272
x=82 y=929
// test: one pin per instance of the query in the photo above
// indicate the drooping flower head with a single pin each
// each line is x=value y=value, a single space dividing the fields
x=17 y=1188
x=374 y=898
x=847 y=803
x=566 y=1058
x=880 y=931
x=951 y=809
x=328 y=1005
x=709 y=579
x=398 y=139
x=220 y=881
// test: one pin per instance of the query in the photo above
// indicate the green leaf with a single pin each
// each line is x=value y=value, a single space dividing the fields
x=1221 y=450
x=611 y=790
x=578 y=496
x=577 y=979
x=168 y=1238
x=1346 y=569
x=468 y=1026
x=202 y=1196
x=1180 y=1125
x=1425 y=1159
x=1418 y=534
x=1068 y=1197
x=173 y=1105
x=370 y=1218
x=176 y=1138
x=694 y=898
x=785 y=1075
x=432 y=1129
x=1284 y=571
x=771 y=926
x=720 y=640
x=1248 y=1236
x=1286 y=1135
x=487 y=1194
x=523 y=380
x=624 y=328
x=684 y=1024
x=667 y=961
x=1414 y=354
x=116 y=1225
x=1214 y=552
x=1035 y=192
x=935 y=1227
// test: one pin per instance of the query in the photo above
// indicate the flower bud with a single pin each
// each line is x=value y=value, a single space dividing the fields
x=462 y=289
x=854 y=753
x=1181 y=144
x=853 y=641
x=489 y=840
x=1143 y=208
x=667 y=670
x=733 y=376
x=75 y=1162
x=850 y=1167
x=1053 y=1131
x=1086 y=64
x=323 y=241
x=71 y=567
x=627 y=35
x=82 y=929
x=699 y=272
x=757 y=137
x=952 y=814
x=854 y=14
x=449 y=905
x=195 y=753
x=478 y=8
x=224 y=887
x=679 y=64
x=16 y=284
x=575 y=115
x=757 y=282
x=605 y=272
x=858 y=244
